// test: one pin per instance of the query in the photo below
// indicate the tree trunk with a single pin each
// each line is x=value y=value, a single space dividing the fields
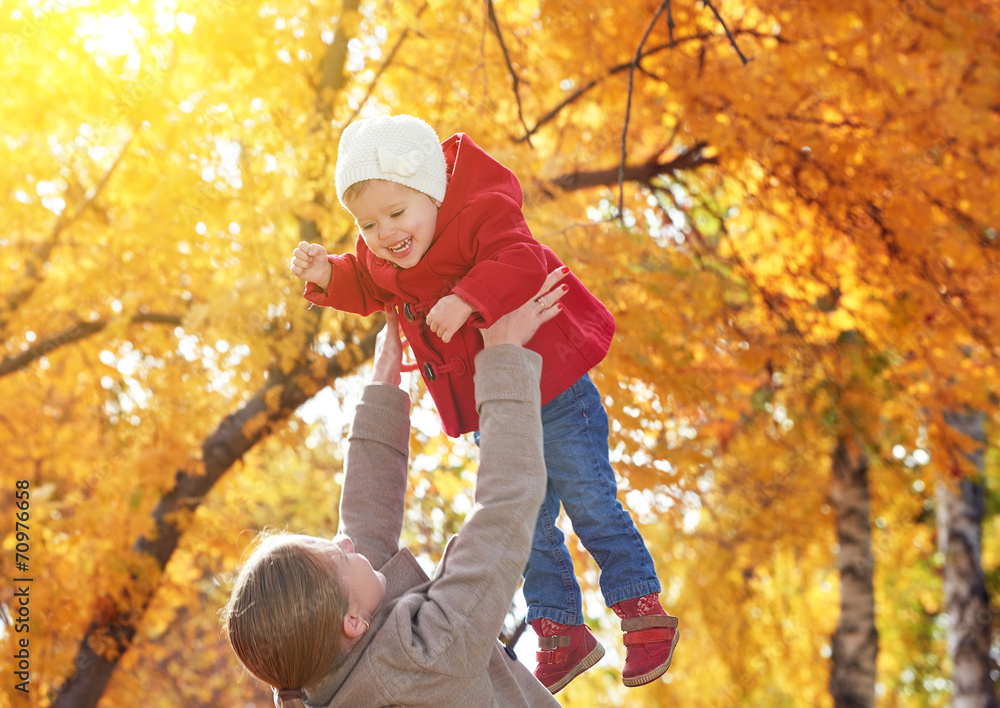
x=855 y=643
x=960 y=510
x=115 y=622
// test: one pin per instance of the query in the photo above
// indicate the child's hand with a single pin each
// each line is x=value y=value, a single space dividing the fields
x=310 y=263
x=448 y=315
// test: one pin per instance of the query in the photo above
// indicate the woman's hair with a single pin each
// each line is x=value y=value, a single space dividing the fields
x=285 y=615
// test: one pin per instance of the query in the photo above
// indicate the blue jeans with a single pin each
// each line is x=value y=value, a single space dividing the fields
x=580 y=478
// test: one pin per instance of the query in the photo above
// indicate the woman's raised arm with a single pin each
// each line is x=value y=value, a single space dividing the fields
x=373 y=498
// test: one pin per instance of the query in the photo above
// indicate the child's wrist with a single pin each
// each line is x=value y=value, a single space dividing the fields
x=325 y=285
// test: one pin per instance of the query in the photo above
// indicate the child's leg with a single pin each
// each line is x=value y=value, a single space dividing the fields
x=566 y=648
x=555 y=607
x=550 y=587
x=580 y=473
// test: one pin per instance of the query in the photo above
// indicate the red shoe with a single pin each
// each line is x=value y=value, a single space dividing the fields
x=564 y=652
x=650 y=637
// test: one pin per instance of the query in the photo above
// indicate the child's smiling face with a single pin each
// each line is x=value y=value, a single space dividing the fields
x=396 y=222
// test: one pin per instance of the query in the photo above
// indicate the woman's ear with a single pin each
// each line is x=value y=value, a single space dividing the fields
x=354 y=625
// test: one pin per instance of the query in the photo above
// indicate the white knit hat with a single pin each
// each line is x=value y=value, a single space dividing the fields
x=400 y=149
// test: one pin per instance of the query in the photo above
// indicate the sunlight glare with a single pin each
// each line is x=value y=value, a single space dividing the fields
x=111 y=35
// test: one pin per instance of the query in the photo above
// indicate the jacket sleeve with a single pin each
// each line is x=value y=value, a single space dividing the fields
x=352 y=288
x=509 y=265
x=373 y=495
x=456 y=625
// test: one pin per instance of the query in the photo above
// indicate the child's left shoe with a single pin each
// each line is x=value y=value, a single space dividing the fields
x=564 y=652
x=650 y=637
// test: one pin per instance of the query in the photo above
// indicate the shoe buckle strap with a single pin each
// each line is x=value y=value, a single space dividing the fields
x=631 y=624
x=560 y=641
x=551 y=657
x=653 y=635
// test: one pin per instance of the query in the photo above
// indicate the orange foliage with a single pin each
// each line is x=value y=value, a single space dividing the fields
x=808 y=246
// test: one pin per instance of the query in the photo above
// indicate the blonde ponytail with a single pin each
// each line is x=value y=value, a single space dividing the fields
x=285 y=616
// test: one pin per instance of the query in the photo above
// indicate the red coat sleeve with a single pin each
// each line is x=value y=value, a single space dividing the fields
x=509 y=264
x=352 y=288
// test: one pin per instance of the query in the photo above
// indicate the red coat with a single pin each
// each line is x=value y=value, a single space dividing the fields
x=484 y=253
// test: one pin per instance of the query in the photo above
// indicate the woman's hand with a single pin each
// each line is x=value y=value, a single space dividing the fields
x=519 y=326
x=388 y=351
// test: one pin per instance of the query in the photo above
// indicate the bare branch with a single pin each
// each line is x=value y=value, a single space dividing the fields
x=618 y=68
x=569 y=100
x=510 y=66
x=634 y=64
x=728 y=33
x=670 y=24
x=628 y=106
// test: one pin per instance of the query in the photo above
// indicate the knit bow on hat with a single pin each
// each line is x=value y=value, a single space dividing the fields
x=404 y=165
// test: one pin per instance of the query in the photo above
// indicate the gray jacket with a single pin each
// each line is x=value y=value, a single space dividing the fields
x=433 y=642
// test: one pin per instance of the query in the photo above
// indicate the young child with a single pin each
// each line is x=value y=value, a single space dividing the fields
x=443 y=241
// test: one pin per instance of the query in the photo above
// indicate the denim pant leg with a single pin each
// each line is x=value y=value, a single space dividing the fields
x=580 y=476
x=550 y=587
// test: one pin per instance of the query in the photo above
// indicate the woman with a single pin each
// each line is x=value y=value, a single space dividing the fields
x=355 y=621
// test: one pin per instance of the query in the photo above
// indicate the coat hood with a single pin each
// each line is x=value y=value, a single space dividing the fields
x=475 y=174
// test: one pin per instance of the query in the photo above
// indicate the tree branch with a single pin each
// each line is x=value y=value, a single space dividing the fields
x=628 y=106
x=588 y=179
x=634 y=64
x=618 y=68
x=729 y=34
x=31 y=277
x=381 y=70
x=76 y=333
x=510 y=66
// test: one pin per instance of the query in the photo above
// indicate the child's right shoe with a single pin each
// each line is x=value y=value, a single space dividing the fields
x=650 y=638
x=564 y=652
